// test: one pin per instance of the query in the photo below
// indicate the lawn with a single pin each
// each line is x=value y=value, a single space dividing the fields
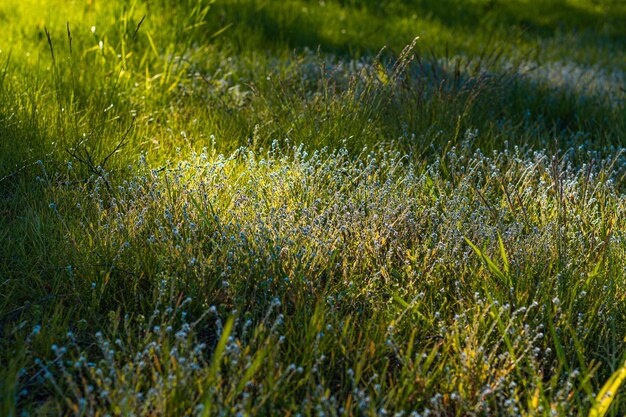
x=306 y=208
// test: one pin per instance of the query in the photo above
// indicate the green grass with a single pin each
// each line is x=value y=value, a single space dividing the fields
x=246 y=207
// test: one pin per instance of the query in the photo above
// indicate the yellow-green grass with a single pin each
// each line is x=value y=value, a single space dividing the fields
x=312 y=207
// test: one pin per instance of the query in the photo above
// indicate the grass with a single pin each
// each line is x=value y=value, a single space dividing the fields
x=348 y=207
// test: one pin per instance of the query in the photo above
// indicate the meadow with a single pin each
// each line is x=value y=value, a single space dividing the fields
x=312 y=208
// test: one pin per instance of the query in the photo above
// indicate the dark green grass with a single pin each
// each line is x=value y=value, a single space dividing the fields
x=340 y=207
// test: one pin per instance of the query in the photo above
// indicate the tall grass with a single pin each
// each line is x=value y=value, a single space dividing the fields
x=249 y=208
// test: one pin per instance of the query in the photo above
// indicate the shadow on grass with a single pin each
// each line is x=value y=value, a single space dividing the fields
x=439 y=98
x=435 y=101
x=346 y=27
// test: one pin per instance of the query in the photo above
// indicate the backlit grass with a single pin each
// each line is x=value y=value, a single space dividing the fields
x=312 y=208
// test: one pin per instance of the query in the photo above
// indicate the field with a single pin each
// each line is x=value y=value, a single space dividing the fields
x=312 y=208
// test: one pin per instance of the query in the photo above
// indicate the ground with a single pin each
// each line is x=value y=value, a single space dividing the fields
x=341 y=207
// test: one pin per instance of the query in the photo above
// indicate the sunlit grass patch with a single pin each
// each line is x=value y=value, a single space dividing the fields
x=379 y=243
x=356 y=207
